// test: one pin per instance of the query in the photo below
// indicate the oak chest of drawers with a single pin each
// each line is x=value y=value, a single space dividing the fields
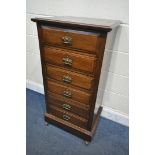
x=72 y=51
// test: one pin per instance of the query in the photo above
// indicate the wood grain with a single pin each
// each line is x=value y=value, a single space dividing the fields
x=77 y=95
x=82 y=41
x=75 y=107
x=75 y=119
x=79 y=80
x=81 y=62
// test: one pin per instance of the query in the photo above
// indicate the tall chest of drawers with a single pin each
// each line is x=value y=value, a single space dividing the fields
x=72 y=51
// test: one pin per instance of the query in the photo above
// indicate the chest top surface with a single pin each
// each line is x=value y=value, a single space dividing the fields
x=81 y=22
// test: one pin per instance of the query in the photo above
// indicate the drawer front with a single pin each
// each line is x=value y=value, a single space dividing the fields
x=68 y=105
x=67 y=116
x=69 y=92
x=67 y=58
x=83 y=41
x=70 y=77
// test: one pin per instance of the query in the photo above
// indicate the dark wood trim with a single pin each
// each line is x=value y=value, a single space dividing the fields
x=42 y=63
x=96 y=121
x=90 y=27
x=100 y=52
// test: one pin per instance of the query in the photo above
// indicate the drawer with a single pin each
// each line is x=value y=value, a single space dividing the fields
x=68 y=105
x=71 y=39
x=70 y=77
x=69 y=92
x=67 y=116
x=69 y=59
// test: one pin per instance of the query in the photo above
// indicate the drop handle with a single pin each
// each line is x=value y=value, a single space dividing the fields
x=67 y=79
x=66 y=106
x=67 y=61
x=67 y=94
x=66 y=117
x=67 y=40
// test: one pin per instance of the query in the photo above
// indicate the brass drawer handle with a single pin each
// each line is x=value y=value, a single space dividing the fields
x=67 y=40
x=66 y=106
x=67 y=79
x=67 y=94
x=65 y=117
x=67 y=61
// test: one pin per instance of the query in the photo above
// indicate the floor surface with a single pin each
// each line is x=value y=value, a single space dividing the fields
x=110 y=139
